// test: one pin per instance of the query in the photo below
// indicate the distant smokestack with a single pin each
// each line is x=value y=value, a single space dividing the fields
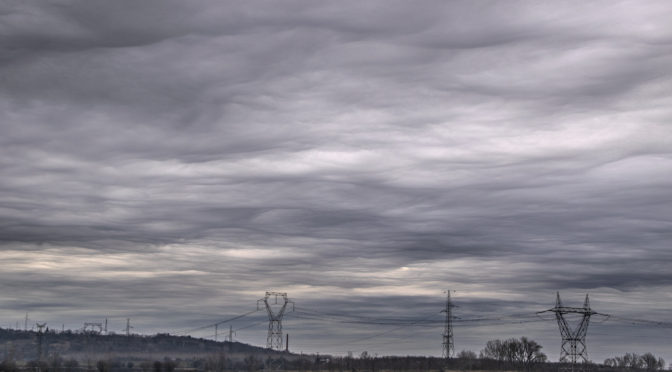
x=287 y=342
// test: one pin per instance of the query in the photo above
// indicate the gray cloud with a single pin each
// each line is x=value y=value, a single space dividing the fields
x=171 y=162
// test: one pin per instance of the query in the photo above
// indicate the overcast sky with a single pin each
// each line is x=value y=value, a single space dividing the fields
x=171 y=161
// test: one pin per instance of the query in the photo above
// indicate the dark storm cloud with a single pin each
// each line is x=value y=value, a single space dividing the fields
x=362 y=157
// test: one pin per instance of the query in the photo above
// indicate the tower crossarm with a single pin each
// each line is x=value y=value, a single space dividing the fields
x=576 y=310
x=570 y=310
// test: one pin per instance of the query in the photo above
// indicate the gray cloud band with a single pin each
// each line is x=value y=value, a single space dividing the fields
x=156 y=154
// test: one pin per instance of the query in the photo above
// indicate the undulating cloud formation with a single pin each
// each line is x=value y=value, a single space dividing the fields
x=171 y=161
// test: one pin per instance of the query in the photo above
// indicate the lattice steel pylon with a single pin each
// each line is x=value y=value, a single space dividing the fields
x=40 y=336
x=573 y=350
x=448 y=345
x=275 y=340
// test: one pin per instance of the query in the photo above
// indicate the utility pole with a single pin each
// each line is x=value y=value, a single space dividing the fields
x=274 y=339
x=573 y=349
x=448 y=345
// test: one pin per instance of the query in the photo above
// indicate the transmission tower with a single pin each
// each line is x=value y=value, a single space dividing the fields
x=40 y=335
x=274 y=340
x=128 y=327
x=573 y=350
x=448 y=345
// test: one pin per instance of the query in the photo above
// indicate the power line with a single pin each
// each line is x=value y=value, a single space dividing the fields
x=515 y=318
x=346 y=321
x=211 y=335
x=635 y=321
x=429 y=322
x=348 y=316
x=373 y=320
x=250 y=325
x=217 y=323
x=375 y=335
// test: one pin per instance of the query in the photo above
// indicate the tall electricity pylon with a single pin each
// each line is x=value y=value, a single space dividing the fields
x=128 y=327
x=573 y=350
x=274 y=340
x=40 y=335
x=448 y=345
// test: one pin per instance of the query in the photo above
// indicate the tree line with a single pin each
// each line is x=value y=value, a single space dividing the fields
x=646 y=361
x=519 y=354
x=525 y=354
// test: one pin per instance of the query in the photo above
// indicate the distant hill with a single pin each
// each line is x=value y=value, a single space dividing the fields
x=23 y=346
x=80 y=351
